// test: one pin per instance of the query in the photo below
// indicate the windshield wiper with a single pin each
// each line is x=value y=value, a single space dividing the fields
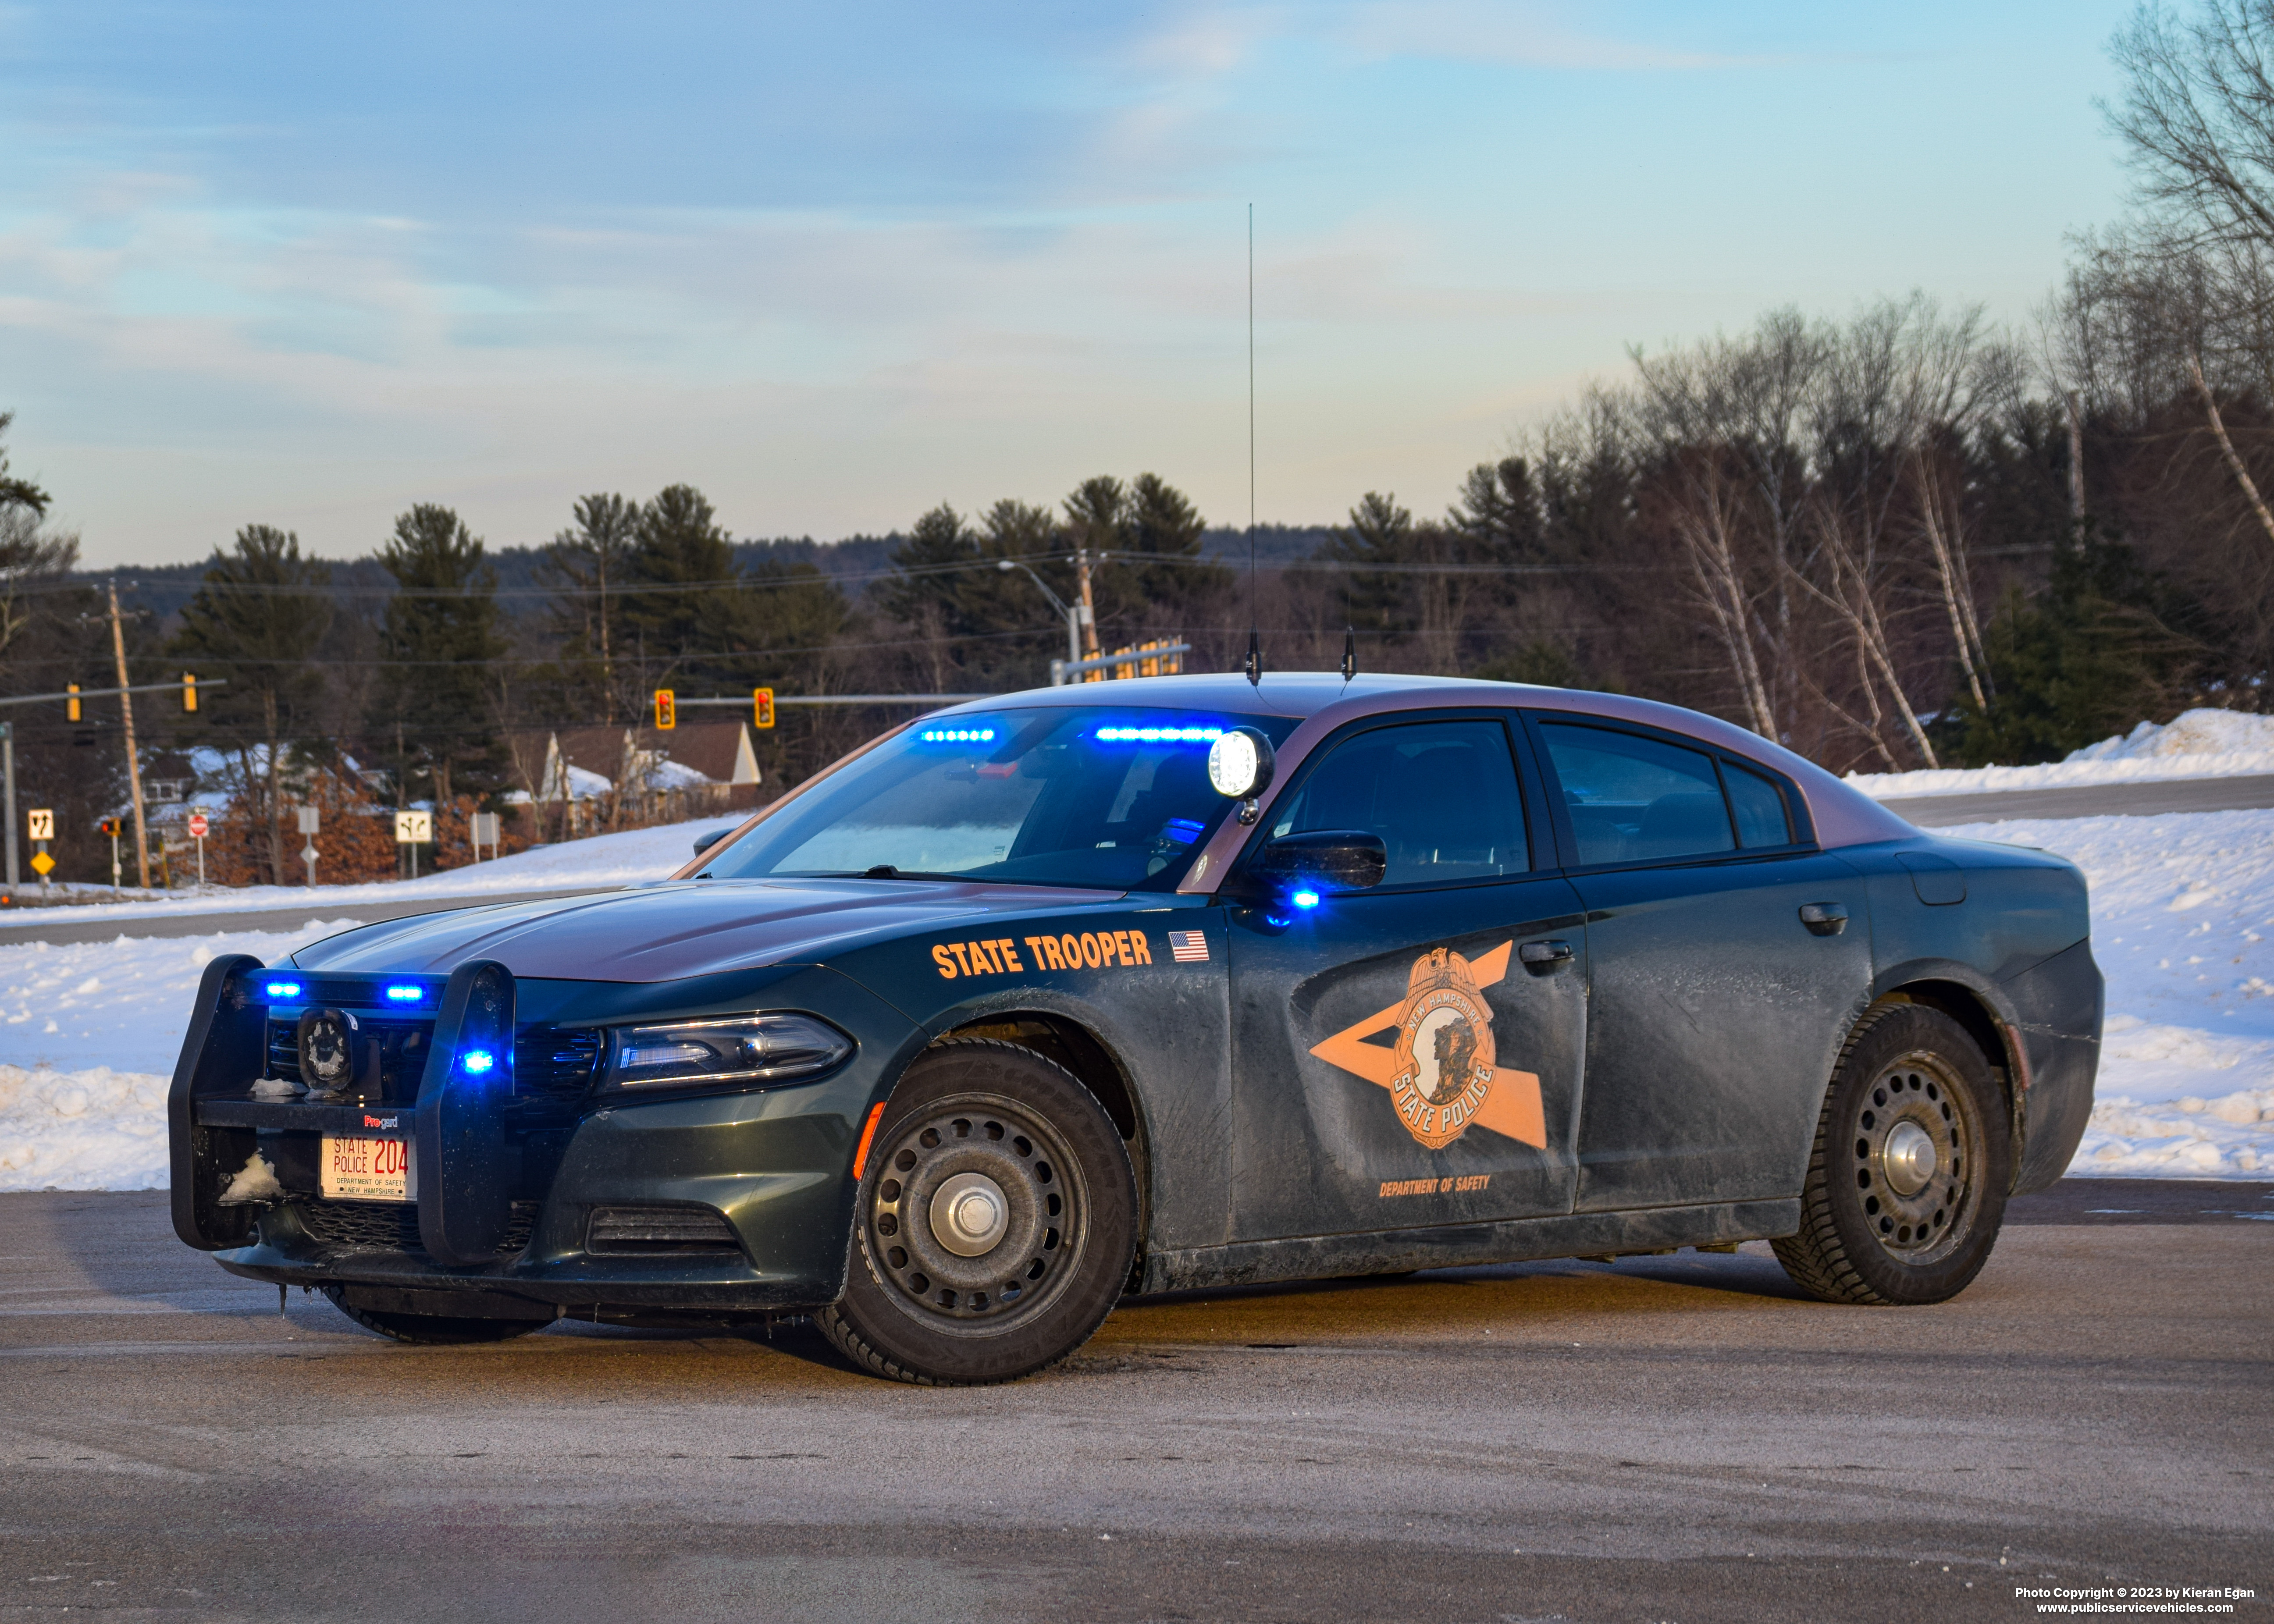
x=882 y=871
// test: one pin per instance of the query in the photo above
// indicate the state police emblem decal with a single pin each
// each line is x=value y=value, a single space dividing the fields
x=1444 y=1050
x=1444 y=1072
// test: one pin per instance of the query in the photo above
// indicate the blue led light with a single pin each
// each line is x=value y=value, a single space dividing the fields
x=1159 y=735
x=405 y=994
x=284 y=989
x=1305 y=899
x=477 y=1061
x=958 y=735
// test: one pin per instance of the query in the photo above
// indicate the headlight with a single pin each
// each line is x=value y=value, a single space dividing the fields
x=738 y=1051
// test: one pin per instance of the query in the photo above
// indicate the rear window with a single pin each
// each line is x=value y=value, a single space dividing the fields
x=1636 y=799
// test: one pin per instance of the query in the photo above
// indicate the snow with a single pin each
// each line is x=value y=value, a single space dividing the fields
x=2183 y=926
x=2182 y=915
x=625 y=859
x=2197 y=744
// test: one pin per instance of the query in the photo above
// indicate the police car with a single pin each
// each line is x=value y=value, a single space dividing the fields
x=1104 y=990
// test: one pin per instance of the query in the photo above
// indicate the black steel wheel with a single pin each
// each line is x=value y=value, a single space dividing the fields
x=994 y=1224
x=435 y=1329
x=1906 y=1183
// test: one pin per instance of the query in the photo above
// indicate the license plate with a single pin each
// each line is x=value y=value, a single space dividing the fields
x=359 y=1170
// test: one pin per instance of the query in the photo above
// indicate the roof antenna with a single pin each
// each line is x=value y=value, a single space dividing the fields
x=1255 y=666
x=1350 y=653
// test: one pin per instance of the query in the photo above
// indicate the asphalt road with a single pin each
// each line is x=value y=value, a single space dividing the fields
x=2091 y=801
x=1677 y=1438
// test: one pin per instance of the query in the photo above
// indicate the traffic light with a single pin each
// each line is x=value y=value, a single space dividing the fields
x=190 y=691
x=109 y=826
x=666 y=710
x=764 y=702
x=70 y=705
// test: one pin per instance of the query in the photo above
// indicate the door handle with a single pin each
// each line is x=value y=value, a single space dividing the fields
x=1545 y=958
x=1825 y=919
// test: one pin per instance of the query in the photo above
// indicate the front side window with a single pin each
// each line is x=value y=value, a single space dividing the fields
x=1636 y=799
x=1104 y=797
x=1441 y=795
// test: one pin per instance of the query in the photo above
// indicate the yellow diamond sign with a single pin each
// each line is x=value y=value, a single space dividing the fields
x=40 y=863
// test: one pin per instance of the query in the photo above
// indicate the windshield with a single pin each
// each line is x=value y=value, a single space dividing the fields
x=1111 y=798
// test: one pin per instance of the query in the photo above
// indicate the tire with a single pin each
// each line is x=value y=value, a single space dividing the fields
x=438 y=1330
x=929 y=1303
x=1913 y=1155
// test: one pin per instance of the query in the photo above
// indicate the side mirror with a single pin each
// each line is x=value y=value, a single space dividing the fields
x=1340 y=859
x=704 y=842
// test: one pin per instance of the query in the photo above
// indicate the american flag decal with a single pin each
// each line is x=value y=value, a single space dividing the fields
x=1188 y=946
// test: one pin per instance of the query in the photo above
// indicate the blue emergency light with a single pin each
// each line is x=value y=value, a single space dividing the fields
x=284 y=989
x=405 y=994
x=477 y=1061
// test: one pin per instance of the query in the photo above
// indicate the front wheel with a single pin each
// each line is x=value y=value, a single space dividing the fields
x=1906 y=1183
x=994 y=1225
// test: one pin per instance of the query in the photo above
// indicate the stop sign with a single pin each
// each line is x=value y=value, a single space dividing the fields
x=198 y=826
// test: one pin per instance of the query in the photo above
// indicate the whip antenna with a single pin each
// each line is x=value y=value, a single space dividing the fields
x=1255 y=666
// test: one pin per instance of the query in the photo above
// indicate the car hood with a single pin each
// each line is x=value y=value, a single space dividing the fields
x=662 y=933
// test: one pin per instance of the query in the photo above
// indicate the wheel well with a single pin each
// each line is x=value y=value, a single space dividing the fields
x=1961 y=1006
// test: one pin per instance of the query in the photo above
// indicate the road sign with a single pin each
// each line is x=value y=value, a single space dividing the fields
x=666 y=710
x=308 y=854
x=199 y=826
x=413 y=828
x=42 y=863
x=763 y=703
x=70 y=705
x=43 y=823
x=308 y=820
x=189 y=691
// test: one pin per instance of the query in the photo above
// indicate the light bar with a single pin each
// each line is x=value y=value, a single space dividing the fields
x=958 y=735
x=1159 y=735
x=284 y=989
x=405 y=994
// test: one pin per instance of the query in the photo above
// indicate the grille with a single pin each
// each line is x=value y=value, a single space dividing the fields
x=550 y=1064
x=660 y=1229
x=392 y=1226
x=556 y=1063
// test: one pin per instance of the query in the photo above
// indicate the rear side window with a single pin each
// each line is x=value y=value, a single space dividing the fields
x=1441 y=795
x=1759 y=806
x=1635 y=799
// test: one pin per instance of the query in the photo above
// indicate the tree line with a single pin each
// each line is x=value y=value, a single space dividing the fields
x=1902 y=538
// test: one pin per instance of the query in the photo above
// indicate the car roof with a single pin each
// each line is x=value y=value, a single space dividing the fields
x=1843 y=815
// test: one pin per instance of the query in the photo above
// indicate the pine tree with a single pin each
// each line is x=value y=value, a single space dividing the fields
x=440 y=637
x=256 y=623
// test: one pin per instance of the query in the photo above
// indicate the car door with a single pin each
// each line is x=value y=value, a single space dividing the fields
x=1396 y=1061
x=1726 y=957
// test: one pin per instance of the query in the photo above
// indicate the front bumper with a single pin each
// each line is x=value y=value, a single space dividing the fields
x=769 y=1171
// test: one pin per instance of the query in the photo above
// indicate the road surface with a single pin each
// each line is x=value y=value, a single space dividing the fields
x=1677 y=1437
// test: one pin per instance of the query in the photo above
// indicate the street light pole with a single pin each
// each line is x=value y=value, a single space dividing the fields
x=1071 y=615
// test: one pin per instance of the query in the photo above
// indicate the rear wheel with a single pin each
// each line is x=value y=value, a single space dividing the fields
x=440 y=1329
x=1906 y=1183
x=994 y=1225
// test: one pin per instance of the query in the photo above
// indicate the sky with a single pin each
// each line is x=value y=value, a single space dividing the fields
x=306 y=266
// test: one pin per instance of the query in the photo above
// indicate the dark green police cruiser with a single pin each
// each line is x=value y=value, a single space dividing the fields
x=1105 y=991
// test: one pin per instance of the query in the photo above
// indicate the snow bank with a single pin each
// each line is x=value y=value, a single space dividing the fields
x=90 y=1032
x=2183 y=923
x=2182 y=915
x=624 y=859
x=2197 y=744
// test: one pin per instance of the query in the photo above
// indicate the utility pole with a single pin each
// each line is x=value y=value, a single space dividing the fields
x=8 y=776
x=1086 y=610
x=133 y=763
